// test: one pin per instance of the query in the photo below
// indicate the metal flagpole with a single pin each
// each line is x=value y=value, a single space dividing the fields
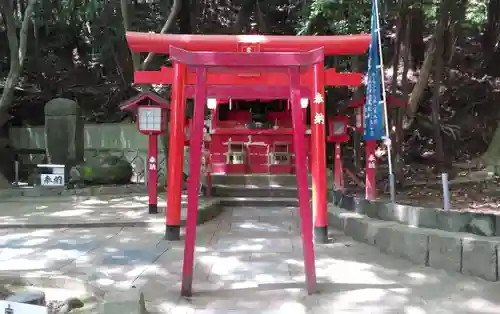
x=387 y=140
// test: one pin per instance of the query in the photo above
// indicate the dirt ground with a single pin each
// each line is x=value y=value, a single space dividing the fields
x=475 y=191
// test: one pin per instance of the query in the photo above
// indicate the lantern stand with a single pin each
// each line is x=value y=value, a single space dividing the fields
x=151 y=112
x=371 y=145
x=338 y=135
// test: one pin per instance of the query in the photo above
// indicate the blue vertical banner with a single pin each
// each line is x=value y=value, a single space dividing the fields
x=373 y=111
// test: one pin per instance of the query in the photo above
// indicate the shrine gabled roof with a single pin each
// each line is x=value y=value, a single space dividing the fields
x=134 y=102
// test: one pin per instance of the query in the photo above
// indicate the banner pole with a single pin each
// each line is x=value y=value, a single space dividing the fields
x=387 y=140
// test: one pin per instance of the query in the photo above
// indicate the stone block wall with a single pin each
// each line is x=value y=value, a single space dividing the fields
x=120 y=139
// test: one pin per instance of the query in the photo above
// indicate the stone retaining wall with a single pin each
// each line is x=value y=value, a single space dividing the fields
x=119 y=139
x=461 y=252
x=39 y=191
x=484 y=224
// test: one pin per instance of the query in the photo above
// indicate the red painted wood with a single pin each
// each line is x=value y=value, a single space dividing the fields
x=338 y=172
x=246 y=92
x=338 y=138
x=252 y=132
x=318 y=148
x=332 y=78
x=153 y=169
x=302 y=181
x=333 y=45
x=176 y=147
x=371 y=170
x=194 y=182
x=247 y=71
x=257 y=61
x=153 y=99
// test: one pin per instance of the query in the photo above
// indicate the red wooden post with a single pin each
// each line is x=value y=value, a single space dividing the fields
x=208 y=169
x=302 y=185
x=371 y=170
x=318 y=156
x=176 y=155
x=195 y=149
x=339 y=173
x=153 y=173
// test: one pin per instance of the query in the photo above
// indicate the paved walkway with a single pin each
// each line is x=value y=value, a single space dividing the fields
x=248 y=261
x=83 y=211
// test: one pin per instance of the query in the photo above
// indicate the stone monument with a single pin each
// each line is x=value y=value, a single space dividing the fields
x=64 y=135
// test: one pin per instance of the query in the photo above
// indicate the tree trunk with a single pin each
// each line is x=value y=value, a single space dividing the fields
x=399 y=136
x=444 y=16
x=176 y=7
x=261 y=19
x=17 y=47
x=136 y=57
x=401 y=35
x=490 y=35
x=492 y=156
x=416 y=22
x=421 y=85
x=243 y=16
x=357 y=136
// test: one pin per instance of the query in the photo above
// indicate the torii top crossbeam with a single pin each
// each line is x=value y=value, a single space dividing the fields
x=332 y=45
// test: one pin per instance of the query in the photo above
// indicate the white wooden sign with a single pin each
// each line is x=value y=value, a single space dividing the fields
x=21 y=308
x=56 y=178
x=52 y=179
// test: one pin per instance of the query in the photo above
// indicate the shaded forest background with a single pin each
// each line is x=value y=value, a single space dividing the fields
x=441 y=57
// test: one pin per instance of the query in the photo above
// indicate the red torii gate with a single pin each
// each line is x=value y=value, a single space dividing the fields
x=292 y=64
x=310 y=84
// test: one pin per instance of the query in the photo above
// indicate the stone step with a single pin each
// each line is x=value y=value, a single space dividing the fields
x=261 y=180
x=257 y=202
x=221 y=190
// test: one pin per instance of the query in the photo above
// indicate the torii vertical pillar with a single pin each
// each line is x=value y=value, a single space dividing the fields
x=318 y=155
x=176 y=155
x=195 y=153
x=299 y=131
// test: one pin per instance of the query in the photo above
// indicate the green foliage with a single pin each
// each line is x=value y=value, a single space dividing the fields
x=476 y=14
x=337 y=17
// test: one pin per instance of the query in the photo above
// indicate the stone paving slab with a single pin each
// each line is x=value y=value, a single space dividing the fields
x=94 y=212
x=353 y=277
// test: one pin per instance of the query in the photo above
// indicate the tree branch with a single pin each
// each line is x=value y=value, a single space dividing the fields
x=17 y=50
x=260 y=18
x=176 y=7
x=126 y=25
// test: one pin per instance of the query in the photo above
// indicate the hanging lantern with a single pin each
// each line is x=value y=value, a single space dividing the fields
x=304 y=102
x=211 y=103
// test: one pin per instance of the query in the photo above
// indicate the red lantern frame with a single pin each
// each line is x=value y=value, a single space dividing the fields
x=338 y=138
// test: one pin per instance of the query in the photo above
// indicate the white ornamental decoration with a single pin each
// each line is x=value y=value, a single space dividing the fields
x=371 y=161
x=152 y=163
x=319 y=118
x=318 y=99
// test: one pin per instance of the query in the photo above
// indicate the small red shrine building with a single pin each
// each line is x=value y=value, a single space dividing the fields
x=252 y=137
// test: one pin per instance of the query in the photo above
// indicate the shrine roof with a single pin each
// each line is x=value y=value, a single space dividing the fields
x=152 y=97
